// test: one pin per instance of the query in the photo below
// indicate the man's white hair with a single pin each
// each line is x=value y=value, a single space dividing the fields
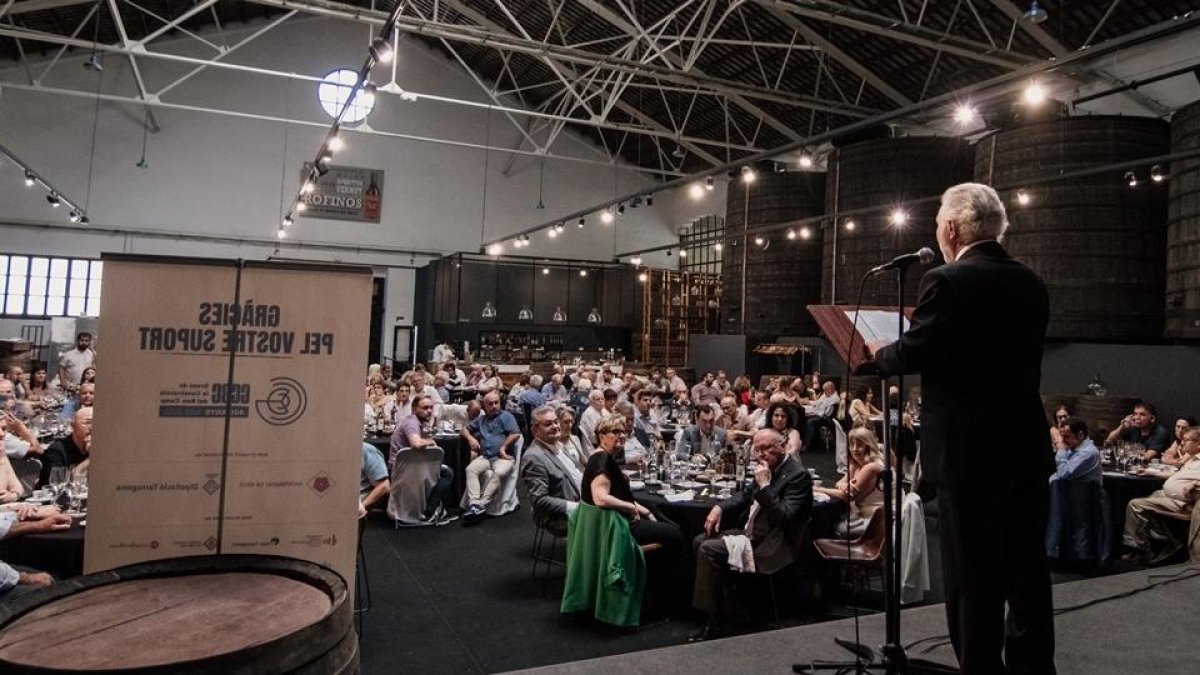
x=535 y=381
x=977 y=210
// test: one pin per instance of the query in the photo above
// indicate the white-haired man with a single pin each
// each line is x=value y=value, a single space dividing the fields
x=981 y=318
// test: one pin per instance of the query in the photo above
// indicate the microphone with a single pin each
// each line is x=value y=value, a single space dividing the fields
x=902 y=262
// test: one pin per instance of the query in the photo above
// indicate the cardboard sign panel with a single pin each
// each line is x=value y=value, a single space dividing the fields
x=230 y=415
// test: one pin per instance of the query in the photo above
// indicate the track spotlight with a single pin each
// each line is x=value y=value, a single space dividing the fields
x=805 y=232
x=620 y=209
x=94 y=63
x=300 y=205
x=1156 y=174
x=758 y=240
x=643 y=277
x=495 y=249
x=552 y=232
x=308 y=187
x=53 y=199
x=806 y=161
x=791 y=234
x=668 y=253
x=1131 y=178
x=649 y=200
x=367 y=97
x=748 y=175
x=683 y=253
x=678 y=153
x=583 y=273
x=898 y=217
x=559 y=227
x=606 y=216
x=381 y=50
x=709 y=183
x=83 y=219
x=696 y=191
x=280 y=233
x=718 y=246
x=74 y=216
x=580 y=223
x=635 y=260
x=1023 y=198
x=288 y=221
x=545 y=271
x=29 y=181
x=849 y=225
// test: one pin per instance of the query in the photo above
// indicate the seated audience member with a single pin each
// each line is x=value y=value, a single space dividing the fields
x=555 y=390
x=16 y=374
x=374 y=484
x=781 y=418
x=1142 y=426
x=492 y=438
x=743 y=391
x=731 y=412
x=455 y=377
x=579 y=395
x=70 y=451
x=10 y=485
x=441 y=385
x=705 y=392
x=414 y=432
x=679 y=397
x=567 y=440
x=1061 y=415
x=611 y=399
x=385 y=371
x=605 y=485
x=85 y=397
x=862 y=408
x=704 y=439
x=88 y=376
x=722 y=383
x=475 y=377
x=512 y=402
x=39 y=385
x=376 y=396
x=674 y=382
x=532 y=397
x=8 y=399
x=400 y=405
x=491 y=380
x=19 y=519
x=551 y=476
x=591 y=416
x=645 y=427
x=785 y=393
x=634 y=451
x=860 y=486
x=1079 y=459
x=820 y=412
x=759 y=529
x=1174 y=455
x=754 y=420
x=1147 y=532
x=416 y=382
x=19 y=440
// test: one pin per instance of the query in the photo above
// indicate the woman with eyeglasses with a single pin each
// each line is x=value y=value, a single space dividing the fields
x=1175 y=456
x=606 y=486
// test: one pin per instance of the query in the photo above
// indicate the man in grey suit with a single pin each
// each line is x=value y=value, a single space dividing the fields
x=773 y=512
x=551 y=477
x=704 y=438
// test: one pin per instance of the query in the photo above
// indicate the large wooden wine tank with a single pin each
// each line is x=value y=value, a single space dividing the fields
x=782 y=275
x=883 y=175
x=1096 y=241
x=1183 y=229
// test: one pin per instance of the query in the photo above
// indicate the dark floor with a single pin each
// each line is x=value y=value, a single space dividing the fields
x=461 y=600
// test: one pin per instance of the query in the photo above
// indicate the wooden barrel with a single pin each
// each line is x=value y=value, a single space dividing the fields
x=1050 y=403
x=879 y=175
x=1183 y=229
x=1103 y=413
x=224 y=614
x=782 y=275
x=1097 y=243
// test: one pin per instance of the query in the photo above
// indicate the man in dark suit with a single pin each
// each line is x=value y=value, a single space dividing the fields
x=976 y=339
x=772 y=511
x=551 y=477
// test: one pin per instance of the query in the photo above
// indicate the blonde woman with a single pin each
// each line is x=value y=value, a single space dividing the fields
x=860 y=486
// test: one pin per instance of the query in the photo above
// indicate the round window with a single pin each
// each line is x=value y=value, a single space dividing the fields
x=334 y=91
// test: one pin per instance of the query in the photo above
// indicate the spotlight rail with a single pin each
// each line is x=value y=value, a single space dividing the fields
x=54 y=196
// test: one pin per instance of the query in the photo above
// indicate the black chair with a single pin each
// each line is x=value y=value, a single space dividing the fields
x=556 y=528
x=362 y=582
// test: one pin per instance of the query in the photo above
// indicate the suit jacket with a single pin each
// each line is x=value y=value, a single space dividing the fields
x=784 y=508
x=549 y=485
x=691 y=437
x=976 y=339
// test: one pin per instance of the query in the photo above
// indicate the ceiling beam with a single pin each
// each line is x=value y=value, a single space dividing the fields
x=897 y=29
x=1058 y=50
x=633 y=32
x=837 y=54
x=505 y=41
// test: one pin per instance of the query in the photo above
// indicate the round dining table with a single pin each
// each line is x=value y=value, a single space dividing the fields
x=59 y=553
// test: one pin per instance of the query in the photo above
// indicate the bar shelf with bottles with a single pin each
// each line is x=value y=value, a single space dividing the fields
x=519 y=347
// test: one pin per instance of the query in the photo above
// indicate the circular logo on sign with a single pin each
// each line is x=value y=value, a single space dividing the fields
x=285 y=402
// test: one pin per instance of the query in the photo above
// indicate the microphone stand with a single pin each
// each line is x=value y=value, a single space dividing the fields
x=892 y=656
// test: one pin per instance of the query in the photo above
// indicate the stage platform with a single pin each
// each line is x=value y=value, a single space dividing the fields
x=1138 y=622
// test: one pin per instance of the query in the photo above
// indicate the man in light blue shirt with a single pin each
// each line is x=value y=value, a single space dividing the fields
x=492 y=438
x=1079 y=459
